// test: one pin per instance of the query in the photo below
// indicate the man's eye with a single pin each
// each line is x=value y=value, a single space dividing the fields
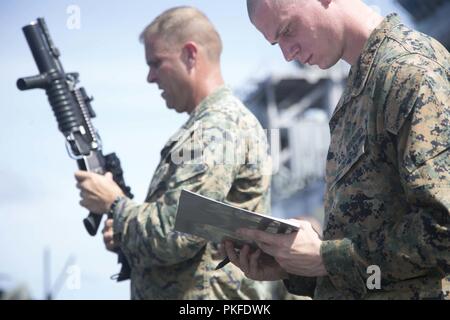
x=287 y=32
x=155 y=64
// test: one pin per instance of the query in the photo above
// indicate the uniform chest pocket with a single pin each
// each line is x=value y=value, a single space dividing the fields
x=159 y=176
x=187 y=174
x=344 y=158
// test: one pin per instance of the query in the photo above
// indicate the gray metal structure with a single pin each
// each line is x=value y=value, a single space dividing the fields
x=432 y=17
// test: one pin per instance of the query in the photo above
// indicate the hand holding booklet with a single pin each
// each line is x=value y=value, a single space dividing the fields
x=216 y=221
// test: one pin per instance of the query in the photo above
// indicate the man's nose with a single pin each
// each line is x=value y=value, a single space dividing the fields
x=289 y=51
x=151 y=77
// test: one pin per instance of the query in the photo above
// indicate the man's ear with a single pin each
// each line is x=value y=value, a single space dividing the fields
x=325 y=3
x=190 y=51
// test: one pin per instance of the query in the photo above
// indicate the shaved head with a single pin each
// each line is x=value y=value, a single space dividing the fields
x=252 y=4
x=182 y=24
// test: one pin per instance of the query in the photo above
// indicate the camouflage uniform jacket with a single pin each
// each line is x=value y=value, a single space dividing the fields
x=388 y=173
x=169 y=265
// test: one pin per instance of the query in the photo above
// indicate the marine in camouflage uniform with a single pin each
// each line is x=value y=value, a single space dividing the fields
x=203 y=157
x=220 y=152
x=388 y=173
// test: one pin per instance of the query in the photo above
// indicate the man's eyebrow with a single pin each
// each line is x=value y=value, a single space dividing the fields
x=277 y=35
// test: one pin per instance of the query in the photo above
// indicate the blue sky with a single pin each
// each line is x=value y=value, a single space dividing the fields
x=38 y=199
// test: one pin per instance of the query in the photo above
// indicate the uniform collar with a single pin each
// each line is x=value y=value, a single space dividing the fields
x=360 y=71
x=190 y=125
x=209 y=101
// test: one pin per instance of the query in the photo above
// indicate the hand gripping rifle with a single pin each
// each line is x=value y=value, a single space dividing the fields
x=73 y=112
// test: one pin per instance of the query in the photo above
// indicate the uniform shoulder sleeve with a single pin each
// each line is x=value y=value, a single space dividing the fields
x=406 y=85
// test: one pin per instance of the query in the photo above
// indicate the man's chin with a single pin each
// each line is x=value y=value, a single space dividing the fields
x=177 y=110
x=324 y=66
x=170 y=107
x=328 y=64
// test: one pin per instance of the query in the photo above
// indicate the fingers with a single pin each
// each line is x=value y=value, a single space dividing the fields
x=109 y=175
x=253 y=261
x=108 y=235
x=229 y=248
x=295 y=222
x=243 y=259
x=259 y=236
x=304 y=224
x=109 y=223
x=111 y=245
x=80 y=175
x=84 y=203
x=222 y=252
x=83 y=185
x=270 y=250
x=250 y=263
x=86 y=199
x=83 y=177
x=267 y=242
x=307 y=225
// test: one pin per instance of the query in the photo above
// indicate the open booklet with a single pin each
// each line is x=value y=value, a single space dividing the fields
x=216 y=221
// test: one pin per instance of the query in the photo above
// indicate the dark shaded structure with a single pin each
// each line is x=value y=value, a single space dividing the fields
x=431 y=17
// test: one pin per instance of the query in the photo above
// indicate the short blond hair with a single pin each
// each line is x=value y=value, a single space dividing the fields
x=181 y=24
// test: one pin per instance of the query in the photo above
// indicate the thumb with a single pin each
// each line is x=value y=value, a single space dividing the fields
x=296 y=222
x=109 y=175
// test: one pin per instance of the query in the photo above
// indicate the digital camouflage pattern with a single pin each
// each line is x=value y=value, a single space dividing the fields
x=388 y=173
x=207 y=157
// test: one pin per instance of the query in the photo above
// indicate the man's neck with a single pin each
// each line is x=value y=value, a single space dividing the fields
x=207 y=85
x=360 y=24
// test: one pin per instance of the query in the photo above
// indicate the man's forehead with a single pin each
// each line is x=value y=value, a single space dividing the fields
x=266 y=19
x=155 y=46
x=152 y=42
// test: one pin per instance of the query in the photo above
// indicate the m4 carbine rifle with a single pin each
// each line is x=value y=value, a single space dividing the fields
x=73 y=112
